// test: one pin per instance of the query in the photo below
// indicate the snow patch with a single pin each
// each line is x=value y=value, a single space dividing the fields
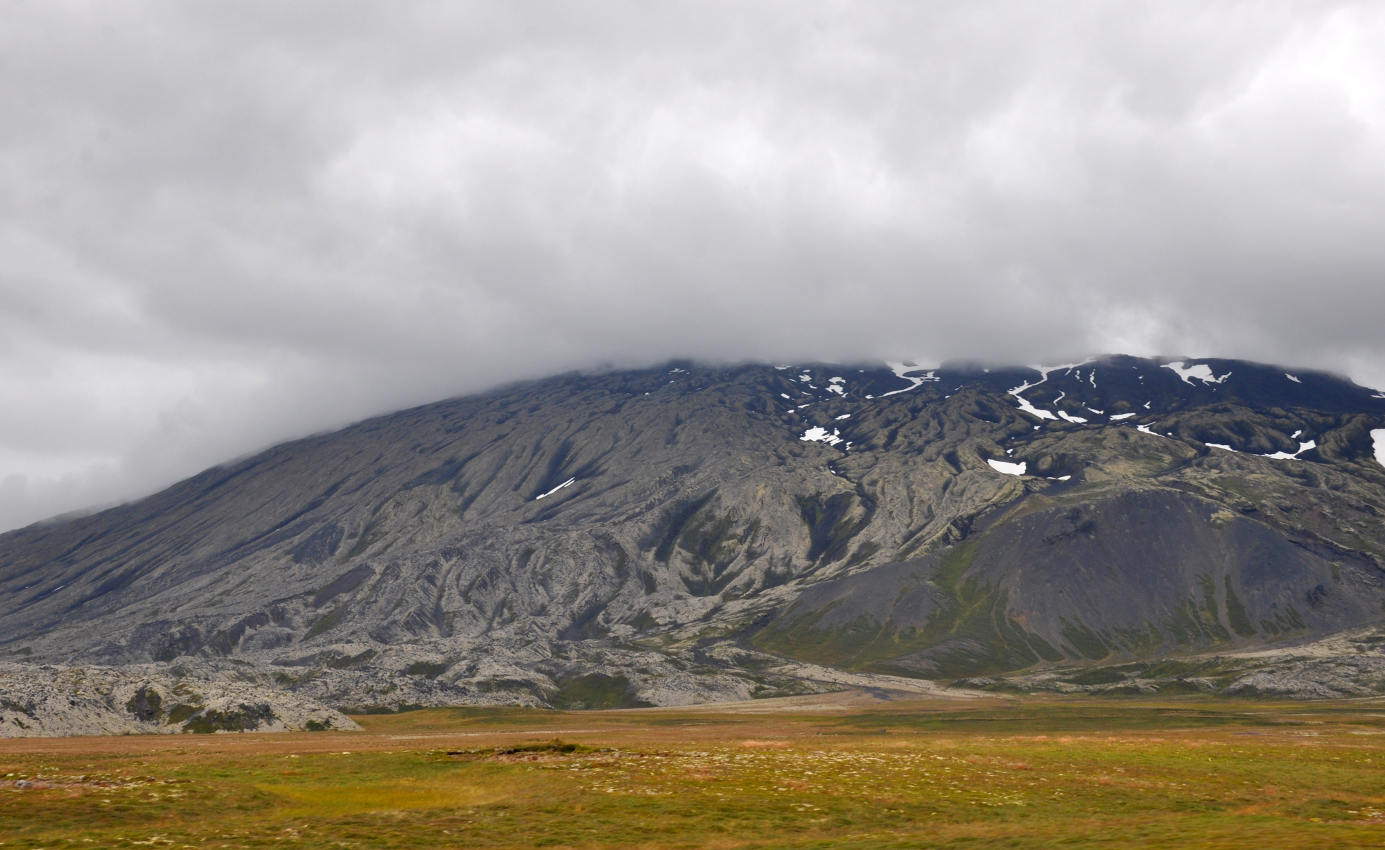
x=1201 y=371
x=844 y=416
x=1007 y=468
x=1043 y=371
x=820 y=435
x=1378 y=437
x=1069 y=417
x=899 y=368
x=1302 y=447
x=567 y=483
x=1026 y=406
x=1119 y=416
x=1222 y=446
x=1293 y=378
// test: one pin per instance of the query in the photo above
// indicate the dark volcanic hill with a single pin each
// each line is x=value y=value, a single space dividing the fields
x=682 y=533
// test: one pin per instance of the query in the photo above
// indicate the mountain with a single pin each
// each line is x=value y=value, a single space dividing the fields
x=693 y=532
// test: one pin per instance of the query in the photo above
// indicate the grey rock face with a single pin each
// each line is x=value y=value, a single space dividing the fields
x=45 y=700
x=592 y=539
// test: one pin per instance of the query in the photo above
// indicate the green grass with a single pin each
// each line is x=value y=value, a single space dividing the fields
x=996 y=773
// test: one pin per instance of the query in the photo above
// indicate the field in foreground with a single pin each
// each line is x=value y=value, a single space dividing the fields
x=1003 y=773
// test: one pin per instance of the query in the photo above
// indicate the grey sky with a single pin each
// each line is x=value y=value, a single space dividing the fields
x=225 y=224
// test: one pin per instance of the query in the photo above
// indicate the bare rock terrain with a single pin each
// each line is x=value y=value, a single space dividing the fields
x=45 y=700
x=693 y=533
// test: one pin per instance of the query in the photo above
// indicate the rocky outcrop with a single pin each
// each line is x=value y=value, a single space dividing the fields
x=1343 y=666
x=45 y=700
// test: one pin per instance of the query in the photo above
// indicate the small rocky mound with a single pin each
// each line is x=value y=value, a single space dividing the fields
x=47 y=700
x=1350 y=665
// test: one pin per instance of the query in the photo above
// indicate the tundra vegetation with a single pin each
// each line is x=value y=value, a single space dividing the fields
x=806 y=772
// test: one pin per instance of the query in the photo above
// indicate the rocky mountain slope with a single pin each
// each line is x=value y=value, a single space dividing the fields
x=690 y=533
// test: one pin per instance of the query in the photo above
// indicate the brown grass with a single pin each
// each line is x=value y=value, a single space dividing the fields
x=994 y=773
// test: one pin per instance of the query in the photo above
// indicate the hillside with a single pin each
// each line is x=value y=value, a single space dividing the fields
x=690 y=533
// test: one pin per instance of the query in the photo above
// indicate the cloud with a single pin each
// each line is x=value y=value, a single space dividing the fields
x=225 y=225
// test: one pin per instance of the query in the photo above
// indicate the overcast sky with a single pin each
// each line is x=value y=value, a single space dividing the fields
x=226 y=224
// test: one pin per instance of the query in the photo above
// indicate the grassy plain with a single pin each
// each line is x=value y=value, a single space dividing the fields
x=1021 y=773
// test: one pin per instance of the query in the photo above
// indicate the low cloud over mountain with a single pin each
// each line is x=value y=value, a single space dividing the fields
x=226 y=226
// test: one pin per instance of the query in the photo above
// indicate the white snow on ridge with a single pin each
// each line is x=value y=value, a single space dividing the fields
x=566 y=483
x=1302 y=447
x=1024 y=404
x=1222 y=446
x=1378 y=437
x=899 y=368
x=1293 y=378
x=820 y=435
x=1065 y=367
x=1201 y=371
x=1007 y=468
